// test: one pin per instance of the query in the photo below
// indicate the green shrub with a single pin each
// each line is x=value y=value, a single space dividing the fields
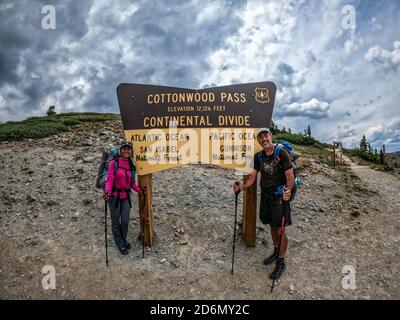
x=30 y=130
x=87 y=116
x=70 y=122
x=295 y=138
x=365 y=155
x=41 y=127
x=51 y=111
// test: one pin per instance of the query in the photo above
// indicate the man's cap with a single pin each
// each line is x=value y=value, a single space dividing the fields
x=263 y=130
x=126 y=144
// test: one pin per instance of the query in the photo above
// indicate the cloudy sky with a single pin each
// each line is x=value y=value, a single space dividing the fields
x=341 y=78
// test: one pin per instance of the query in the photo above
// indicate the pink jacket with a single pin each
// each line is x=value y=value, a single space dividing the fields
x=121 y=179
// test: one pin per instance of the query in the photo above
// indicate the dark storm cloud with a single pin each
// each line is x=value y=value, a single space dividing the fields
x=28 y=53
x=170 y=46
x=173 y=38
x=290 y=81
x=193 y=44
x=284 y=75
x=97 y=45
x=13 y=39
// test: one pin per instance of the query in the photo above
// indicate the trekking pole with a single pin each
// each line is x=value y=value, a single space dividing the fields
x=105 y=230
x=234 y=226
x=282 y=228
x=142 y=219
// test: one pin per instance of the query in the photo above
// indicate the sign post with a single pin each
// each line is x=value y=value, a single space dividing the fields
x=170 y=127
x=249 y=215
x=146 y=209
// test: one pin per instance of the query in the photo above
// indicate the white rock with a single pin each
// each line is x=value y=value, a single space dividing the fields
x=88 y=159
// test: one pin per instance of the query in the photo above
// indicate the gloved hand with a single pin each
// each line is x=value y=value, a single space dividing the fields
x=106 y=196
x=142 y=191
x=238 y=186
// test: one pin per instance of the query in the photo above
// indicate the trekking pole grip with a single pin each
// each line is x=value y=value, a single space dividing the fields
x=237 y=183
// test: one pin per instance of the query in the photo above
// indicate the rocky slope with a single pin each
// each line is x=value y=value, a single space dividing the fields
x=51 y=214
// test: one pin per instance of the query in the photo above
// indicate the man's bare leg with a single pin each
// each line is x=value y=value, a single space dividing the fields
x=275 y=239
x=280 y=264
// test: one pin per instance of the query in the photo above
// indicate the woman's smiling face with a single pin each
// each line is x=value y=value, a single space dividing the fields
x=126 y=152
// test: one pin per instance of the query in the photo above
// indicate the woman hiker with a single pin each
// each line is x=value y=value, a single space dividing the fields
x=117 y=193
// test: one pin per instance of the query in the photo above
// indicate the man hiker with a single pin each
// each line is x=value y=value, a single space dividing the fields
x=117 y=193
x=276 y=182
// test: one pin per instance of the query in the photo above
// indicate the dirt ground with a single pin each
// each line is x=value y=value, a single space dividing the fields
x=51 y=214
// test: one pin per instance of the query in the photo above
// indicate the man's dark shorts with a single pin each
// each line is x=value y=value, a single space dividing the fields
x=271 y=210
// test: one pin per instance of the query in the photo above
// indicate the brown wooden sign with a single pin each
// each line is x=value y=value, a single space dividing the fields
x=171 y=126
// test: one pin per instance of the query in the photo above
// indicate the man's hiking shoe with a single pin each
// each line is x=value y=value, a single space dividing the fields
x=279 y=268
x=124 y=251
x=272 y=258
x=128 y=245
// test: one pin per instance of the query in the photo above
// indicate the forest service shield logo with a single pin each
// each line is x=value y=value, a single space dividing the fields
x=262 y=95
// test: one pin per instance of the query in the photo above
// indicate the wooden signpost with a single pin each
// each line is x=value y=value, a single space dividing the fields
x=146 y=209
x=249 y=215
x=337 y=150
x=170 y=127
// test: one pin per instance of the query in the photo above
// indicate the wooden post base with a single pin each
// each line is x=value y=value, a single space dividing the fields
x=249 y=215
x=146 y=209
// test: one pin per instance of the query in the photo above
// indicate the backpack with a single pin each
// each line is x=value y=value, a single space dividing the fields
x=107 y=156
x=293 y=157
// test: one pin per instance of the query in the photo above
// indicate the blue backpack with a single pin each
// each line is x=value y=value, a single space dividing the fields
x=293 y=156
x=107 y=156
